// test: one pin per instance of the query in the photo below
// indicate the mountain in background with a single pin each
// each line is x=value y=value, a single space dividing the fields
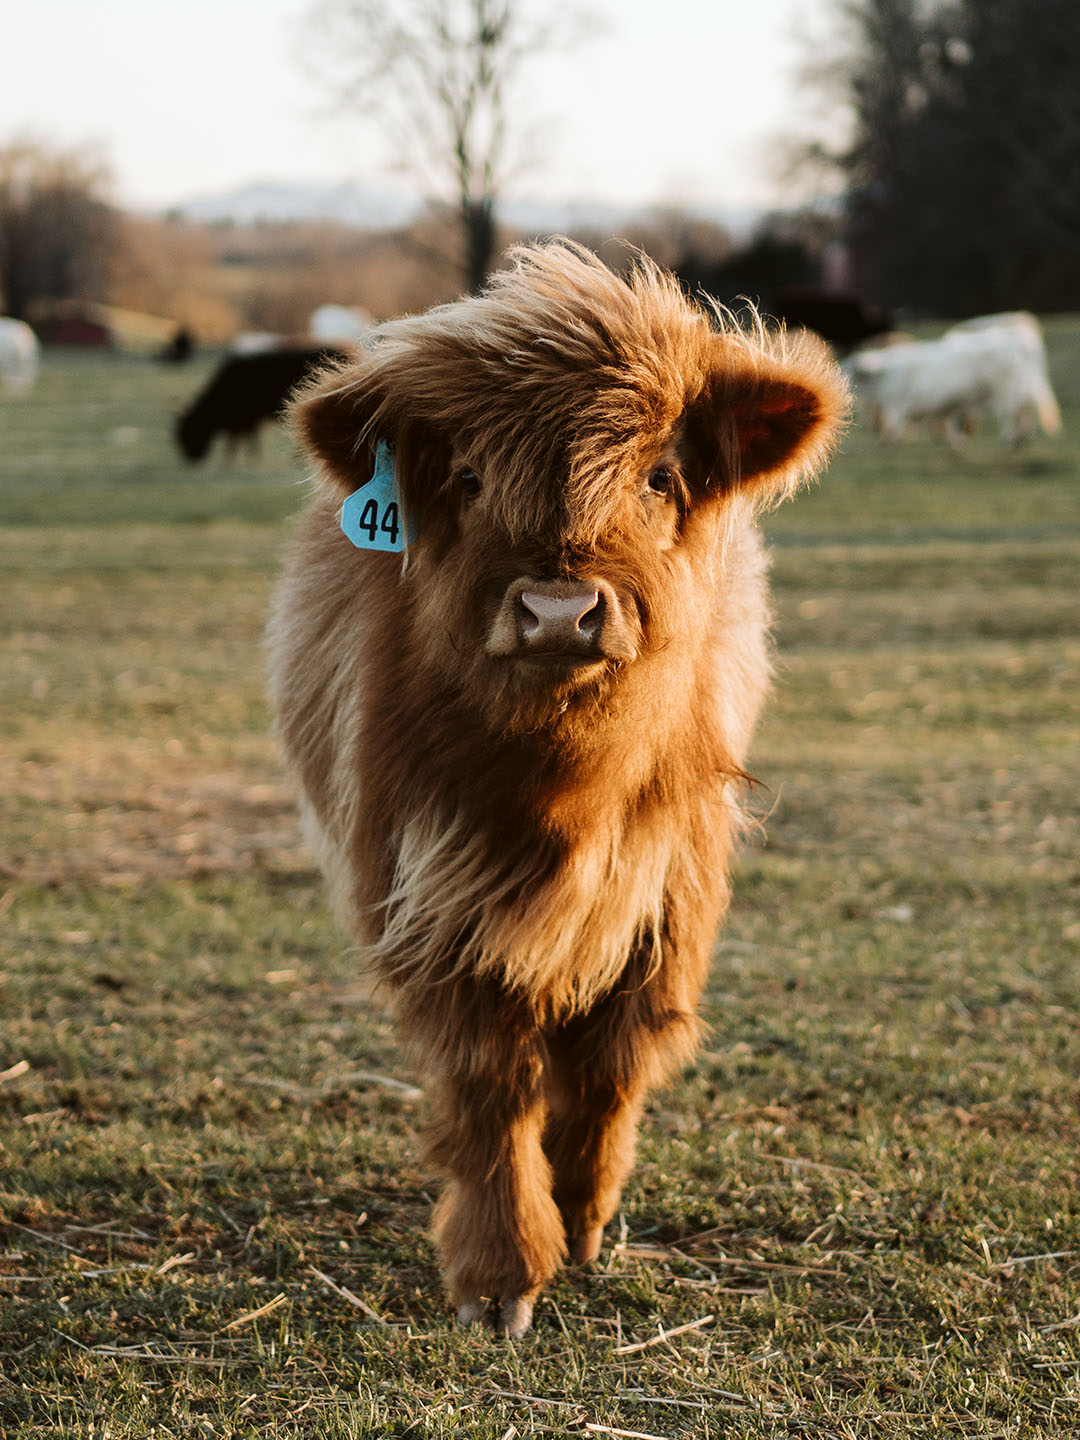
x=358 y=205
x=368 y=208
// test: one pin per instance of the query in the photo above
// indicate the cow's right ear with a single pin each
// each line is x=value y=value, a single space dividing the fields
x=338 y=420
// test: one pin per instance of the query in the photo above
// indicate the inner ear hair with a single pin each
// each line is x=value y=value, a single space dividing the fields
x=771 y=425
x=769 y=420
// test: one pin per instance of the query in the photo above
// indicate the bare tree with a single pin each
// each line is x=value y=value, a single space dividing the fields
x=58 y=232
x=440 y=78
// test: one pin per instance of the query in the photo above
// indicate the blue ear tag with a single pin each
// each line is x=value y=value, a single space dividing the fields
x=371 y=516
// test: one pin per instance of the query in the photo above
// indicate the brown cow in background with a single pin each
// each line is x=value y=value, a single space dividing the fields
x=520 y=745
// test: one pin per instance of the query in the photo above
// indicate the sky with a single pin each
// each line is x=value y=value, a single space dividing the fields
x=672 y=102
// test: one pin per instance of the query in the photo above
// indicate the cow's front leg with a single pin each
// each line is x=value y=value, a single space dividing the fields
x=601 y=1067
x=590 y=1139
x=497 y=1228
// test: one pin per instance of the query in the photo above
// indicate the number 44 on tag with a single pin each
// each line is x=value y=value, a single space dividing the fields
x=371 y=516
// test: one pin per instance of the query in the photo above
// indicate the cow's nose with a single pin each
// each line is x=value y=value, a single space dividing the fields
x=566 y=618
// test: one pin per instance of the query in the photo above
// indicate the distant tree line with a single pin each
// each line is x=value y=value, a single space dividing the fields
x=58 y=232
x=963 y=169
x=61 y=239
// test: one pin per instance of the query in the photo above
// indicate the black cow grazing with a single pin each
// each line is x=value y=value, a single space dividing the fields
x=244 y=392
x=843 y=320
x=179 y=349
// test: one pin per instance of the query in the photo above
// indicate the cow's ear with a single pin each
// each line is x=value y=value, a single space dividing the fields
x=770 y=413
x=331 y=419
x=337 y=420
x=345 y=416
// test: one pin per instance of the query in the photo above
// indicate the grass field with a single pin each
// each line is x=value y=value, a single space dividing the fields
x=860 y=1209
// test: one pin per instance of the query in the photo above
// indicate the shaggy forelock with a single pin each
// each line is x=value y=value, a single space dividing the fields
x=555 y=376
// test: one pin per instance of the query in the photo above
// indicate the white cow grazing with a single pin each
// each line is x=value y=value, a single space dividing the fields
x=340 y=322
x=1027 y=331
x=995 y=368
x=255 y=342
x=20 y=352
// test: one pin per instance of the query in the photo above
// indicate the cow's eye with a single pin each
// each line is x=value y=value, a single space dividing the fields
x=661 y=481
x=470 y=483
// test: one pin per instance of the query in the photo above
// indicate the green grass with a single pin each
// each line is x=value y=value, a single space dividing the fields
x=868 y=1180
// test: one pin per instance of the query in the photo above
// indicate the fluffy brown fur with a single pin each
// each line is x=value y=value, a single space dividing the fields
x=532 y=845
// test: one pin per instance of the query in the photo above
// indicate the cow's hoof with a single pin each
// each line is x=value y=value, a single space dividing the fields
x=586 y=1247
x=469 y=1312
x=515 y=1317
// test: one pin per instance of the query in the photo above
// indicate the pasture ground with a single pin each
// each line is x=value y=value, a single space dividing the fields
x=858 y=1214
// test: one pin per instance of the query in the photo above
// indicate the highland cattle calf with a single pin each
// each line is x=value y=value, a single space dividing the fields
x=520 y=744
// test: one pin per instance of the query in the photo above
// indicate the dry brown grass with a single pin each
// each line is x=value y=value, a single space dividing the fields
x=869 y=1178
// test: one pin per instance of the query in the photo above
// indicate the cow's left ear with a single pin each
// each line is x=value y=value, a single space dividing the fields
x=770 y=414
x=344 y=414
